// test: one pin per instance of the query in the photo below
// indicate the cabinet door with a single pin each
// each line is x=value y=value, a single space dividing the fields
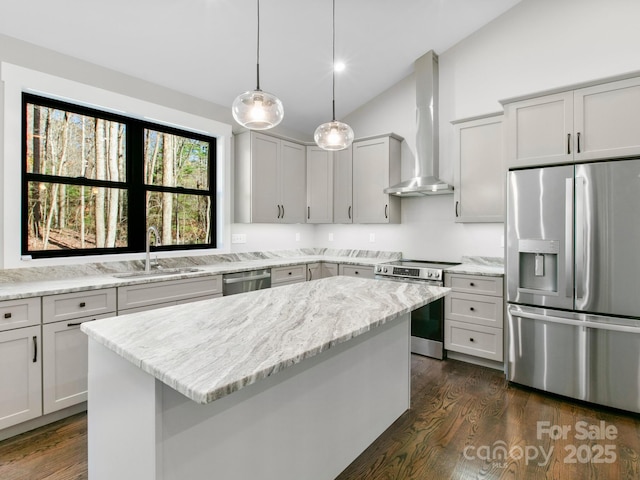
x=319 y=185
x=64 y=366
x=606 y=120
x=20 y=376
x=265 y=202
x=293 y=180
x=314 y=271
x=370 y=178
x=540 y=130
x=479 y=171
x=343 y=186
x=19 y=313
x=329 y=269
x=157 y=293
x=356 y=271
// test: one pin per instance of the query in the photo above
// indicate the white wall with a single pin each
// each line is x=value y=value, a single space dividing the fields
x=537 y=45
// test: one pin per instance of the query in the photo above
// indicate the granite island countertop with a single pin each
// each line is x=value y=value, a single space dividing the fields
x=206 y=350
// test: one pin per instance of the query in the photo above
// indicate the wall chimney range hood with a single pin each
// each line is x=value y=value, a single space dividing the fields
x=425 y=180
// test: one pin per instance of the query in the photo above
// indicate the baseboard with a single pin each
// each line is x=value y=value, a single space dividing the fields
x=41 y=421
x=475 y=360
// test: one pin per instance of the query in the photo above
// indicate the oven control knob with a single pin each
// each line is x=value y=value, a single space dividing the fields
x=430 y=274
x=385 y=270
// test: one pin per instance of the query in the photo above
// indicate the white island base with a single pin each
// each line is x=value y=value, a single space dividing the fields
x=307 y=422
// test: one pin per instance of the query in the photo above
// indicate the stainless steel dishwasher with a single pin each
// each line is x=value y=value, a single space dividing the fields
x=241 y=282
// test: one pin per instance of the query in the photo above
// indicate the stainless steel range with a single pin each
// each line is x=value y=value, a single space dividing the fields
x=427 y=323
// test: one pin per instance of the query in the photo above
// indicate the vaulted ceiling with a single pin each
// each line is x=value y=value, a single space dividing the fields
x=207 y=48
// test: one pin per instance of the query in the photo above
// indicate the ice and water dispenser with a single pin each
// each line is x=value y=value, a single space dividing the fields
x=538 y=266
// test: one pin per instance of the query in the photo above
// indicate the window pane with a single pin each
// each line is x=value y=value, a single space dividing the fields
x=70 y=217
x=72 y=145
x=180 y=219
x=175 y=161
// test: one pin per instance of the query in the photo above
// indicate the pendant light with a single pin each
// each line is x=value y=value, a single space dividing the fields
x=333 y=135
x=257 y=110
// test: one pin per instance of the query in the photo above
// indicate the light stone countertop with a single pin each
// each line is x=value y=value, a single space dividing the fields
x=206 y=350
x=483 y=266
x=38 y=281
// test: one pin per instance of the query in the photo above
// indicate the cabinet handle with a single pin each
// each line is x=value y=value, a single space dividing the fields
x=457 y=205
x=472 y=309
x=290 y=273
x=282 y=211
x=35 y=349
x=349 y=212
x=578 y=142
x=471 y=284
x=568 y=144
x=77 y=324
x=308 y=213
x=278 y=210
x=310 y=274
x=357 y=272
x=386 y=210
x=7 y=315
x=83 y=304
x=471 y=340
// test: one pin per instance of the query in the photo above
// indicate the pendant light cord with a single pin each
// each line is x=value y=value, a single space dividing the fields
x=258 y=51
x=333 y=64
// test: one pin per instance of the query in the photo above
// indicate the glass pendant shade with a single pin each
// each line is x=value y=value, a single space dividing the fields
x=333 y=135
x=257 y=110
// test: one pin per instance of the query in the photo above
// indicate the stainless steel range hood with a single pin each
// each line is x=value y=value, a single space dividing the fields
x=425 y=180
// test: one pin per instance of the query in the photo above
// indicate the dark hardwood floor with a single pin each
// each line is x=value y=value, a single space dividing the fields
x=462 y=418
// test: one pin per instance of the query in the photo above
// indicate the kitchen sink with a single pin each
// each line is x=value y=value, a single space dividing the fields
x=158 y=272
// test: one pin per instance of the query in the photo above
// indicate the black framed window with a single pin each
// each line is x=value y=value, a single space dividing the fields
x=93 y=182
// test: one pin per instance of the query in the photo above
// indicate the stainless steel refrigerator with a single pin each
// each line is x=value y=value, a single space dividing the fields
x=573 y=281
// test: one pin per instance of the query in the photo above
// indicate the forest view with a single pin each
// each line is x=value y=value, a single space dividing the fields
x=80 y=149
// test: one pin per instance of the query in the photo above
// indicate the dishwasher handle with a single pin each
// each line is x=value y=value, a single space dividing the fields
x=248 y=278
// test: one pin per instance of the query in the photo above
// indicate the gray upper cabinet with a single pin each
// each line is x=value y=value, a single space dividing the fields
x=594 y=122
x=376 y=165
x=343 y=186
x=319 y=185
x=479 y=169
x=270 y=180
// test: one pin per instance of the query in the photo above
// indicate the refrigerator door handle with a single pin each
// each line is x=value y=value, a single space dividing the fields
x=568 y=237
x=580 y=233
x=574 y=323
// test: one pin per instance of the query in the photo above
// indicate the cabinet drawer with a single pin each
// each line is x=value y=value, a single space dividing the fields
x=19 y=313
x=477 y=309
x=356 y=271
x=477 y=340
x=474 y=284
x=285 y=275
x=78 y=304
x=134 y=296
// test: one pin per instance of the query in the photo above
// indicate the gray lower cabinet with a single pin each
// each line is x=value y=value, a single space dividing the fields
x=288 y=275
x=360 y=271
x=473 y=315
x=20 y=362
x=479 y=171
x=316 y=271
x=148 y=296
x=64 y=346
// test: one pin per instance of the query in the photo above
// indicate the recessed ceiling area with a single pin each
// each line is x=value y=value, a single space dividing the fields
x=207 y=48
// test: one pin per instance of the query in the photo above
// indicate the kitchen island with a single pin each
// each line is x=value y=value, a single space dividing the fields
x=291 y=382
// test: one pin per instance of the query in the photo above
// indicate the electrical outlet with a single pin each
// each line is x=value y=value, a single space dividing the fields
x=297 y=237
x=238 y=238
x=331 y=237
x=372 y=237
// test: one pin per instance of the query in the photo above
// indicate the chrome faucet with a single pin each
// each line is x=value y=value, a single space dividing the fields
x=147 y=263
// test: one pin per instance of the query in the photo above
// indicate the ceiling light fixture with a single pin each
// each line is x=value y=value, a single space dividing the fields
x=257 y=110
x=333 y=135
